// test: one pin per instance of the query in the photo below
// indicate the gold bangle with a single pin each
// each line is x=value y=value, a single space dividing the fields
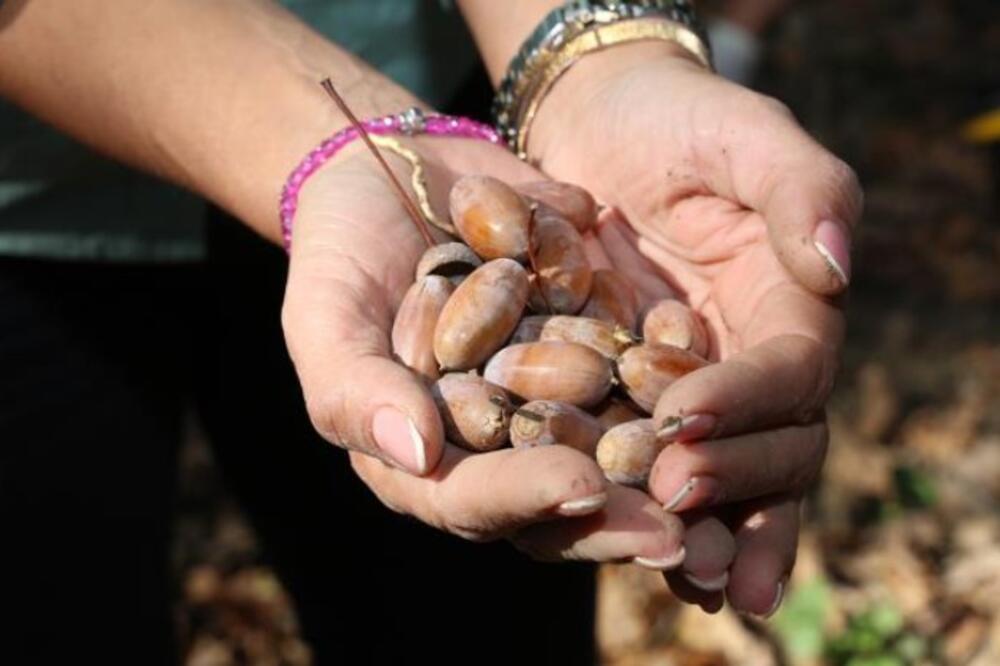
x=418 y=180
x=539 y=82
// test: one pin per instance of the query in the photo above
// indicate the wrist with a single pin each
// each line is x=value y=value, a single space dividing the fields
x=582 y=87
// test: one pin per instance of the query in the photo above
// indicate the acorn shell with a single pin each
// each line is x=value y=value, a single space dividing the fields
x=475 y=413
x=647 y=370
x=562 y=371
x=491 y=217
x=627 y=452
x=481 y=314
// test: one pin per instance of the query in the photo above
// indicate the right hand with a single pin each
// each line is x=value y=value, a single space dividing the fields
x=352 y=259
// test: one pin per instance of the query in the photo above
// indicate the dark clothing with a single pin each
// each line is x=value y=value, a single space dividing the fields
x=99 y=362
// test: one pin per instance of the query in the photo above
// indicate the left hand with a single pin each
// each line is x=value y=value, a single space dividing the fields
x=718 y=196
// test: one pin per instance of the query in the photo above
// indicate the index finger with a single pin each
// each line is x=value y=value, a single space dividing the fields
x=783 y=377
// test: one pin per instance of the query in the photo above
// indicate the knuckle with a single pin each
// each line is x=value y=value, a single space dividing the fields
x=449 y=513
x=326 y=415
x=846 y=183
x=772 y=106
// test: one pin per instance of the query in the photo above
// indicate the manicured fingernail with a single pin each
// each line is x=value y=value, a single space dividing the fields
x=831 y=242
x=779 y=594
x=710 y=584
x=582 y=506
x=686 y=428
x=661 y=564
x=398 y=438
x=697 y=491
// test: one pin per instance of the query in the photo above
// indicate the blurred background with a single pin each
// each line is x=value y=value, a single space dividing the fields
x=899 y=561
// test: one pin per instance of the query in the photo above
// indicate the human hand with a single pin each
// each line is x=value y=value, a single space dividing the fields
x=716 y=195
x=352 y=259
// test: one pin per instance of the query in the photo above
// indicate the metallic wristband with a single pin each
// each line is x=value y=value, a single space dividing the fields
x=418 y=181
x=541 y=58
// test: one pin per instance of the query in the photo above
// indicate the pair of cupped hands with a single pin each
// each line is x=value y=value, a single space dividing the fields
x=712 y=194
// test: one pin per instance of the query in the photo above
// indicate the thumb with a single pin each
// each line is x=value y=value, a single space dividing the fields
x=336 y=322
x=810 y=200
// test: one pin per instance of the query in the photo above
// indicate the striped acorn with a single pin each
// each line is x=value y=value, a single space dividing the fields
x=563 y=371
x=491 y=217
x=481 y=314
x=547 y=422
x=413 y=328
x=647 y=370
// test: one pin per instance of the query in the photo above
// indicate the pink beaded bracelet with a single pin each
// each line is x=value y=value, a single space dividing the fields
x=411 y=122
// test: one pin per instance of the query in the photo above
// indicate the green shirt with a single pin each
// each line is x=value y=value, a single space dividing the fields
x=60 y=200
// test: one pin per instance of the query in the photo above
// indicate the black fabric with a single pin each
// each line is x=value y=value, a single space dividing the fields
x=94 y=364
x=98 y=366
x=370 y=584
x=99 y=361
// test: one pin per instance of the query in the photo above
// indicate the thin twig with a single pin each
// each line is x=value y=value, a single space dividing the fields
x=408 y=204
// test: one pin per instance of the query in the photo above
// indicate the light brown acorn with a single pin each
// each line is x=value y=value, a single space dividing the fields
x=627 y=452
x=670 y=322
x=615 y=411
x=563 y=371
x=561 y=267
x=647 y=370
x=546 y=422
x=571 y=202
x=491 y=217
x=612 y=298
x=475 y=413
x=452 y=260
x=481 y=314
x=413 y=328
x=606 y=338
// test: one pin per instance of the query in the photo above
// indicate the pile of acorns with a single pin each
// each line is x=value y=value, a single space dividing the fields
x=522 y=342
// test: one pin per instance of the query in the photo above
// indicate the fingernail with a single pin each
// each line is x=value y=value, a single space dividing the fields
x=831 y=242
x=582 y=506
x=697 y=491
x=710 y=584
x=686 y=428
x=662 y=564
x=779 y=594
x=398 y=438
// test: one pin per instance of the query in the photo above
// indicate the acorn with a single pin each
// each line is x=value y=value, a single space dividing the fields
x=452 y=260
x=563 y=371
x=571 y=202
x=647 y=370
x=547 y=422
x=670 y=322
x=628 y=451
x=491 y=217
x=481 y=314
x=612 y=298
x=476 y=414
x=562 y=274
x=413 y=328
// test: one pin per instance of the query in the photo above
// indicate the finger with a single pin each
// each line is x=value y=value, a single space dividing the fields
x=336 y=317
x=620 y=242
x=597 y=257
x=766 y=542
x=630 y=528
x=709 y=550
x=489 y=495
x=810 y=199
x=719 y=471
x=785 y=376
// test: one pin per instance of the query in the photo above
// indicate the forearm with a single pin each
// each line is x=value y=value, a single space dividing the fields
x=499 y=28
x=219 y=96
